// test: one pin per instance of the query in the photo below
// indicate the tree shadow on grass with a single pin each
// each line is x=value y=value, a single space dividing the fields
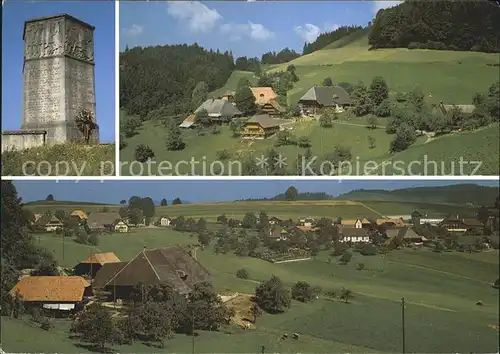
x=94 y=348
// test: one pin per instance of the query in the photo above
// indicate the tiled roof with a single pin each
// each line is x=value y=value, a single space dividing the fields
x=100 y=220
x=106 y=273
x=80 y=213
x=101 y=258
x=263 y=94
x=219 y=107
x=163 y=265
x=327 y=96
x=51 y=288
x=265 y=121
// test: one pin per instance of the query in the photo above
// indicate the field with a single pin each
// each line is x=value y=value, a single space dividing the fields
x=210 y=211
x=449 y=76
x=67 y=159
x=441 y=291
x=204 y=148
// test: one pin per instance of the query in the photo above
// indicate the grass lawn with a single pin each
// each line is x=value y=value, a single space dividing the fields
x=67 y=159
x=203 y=149
x=440 y=292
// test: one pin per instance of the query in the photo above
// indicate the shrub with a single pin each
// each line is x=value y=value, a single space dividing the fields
x=302 y=292
x=93 y=239
x=383 y=109
x=401 y=97
x=368 y=250
x=413 y=45
x=36 y=315
x=46 y=324
x=272 y=296
x=223 y=155
x=143 y=153
x=361 y=266
x=346 y=256
x=242 y=273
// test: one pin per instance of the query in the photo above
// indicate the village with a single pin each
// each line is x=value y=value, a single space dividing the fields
x=145 y=274
x=257 y=235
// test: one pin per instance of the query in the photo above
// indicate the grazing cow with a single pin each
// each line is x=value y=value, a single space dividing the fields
x=284 y=336
x=295 y=336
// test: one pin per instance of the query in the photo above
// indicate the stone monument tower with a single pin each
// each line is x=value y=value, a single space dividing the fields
x=58 y=77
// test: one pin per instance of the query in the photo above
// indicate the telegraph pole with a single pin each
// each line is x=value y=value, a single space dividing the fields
x=192 y=327
x=403 y=323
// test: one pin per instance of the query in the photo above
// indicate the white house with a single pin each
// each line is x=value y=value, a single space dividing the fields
x=165 y=221
x=307 y=222
x=430 y=220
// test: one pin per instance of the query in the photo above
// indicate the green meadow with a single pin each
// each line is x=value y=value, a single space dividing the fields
x=440 y=290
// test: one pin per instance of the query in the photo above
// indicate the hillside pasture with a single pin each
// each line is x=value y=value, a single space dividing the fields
x=232 y=82
x=204 y=149
x=440 y=292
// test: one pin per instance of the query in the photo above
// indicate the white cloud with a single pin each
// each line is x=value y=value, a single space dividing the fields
x=134 y=30
x=198 y=17
x=255 y=31
x=378 y=5
x=308 y=32
x=331 y=27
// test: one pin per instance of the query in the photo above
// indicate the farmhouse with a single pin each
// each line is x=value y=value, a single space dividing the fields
x=274 y=221
x=307 y=221
x=418 y=218
x=171 y=265
x=188 y=122
x=263 y=95
x=309 y=228
x=354 y=235
x=261 y=126
x=92 y=264
x=278 y=234
x=322 y=97
x=228 y=96
x=358 y=223
x=387 y=222
x=218 y=110
x=457 y=224
x=50 y=223
x=165 y=221
x=103 y=221
x=79 y=214
x=408 y=236
x=120 y=226
x=62 y=293
x=465 y=109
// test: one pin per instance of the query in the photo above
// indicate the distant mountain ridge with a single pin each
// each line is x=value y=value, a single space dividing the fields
x=460 y=194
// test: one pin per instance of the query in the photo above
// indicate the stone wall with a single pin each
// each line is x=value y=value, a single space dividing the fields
x=22 y=139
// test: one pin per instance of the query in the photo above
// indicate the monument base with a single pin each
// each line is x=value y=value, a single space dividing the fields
x=22 y=139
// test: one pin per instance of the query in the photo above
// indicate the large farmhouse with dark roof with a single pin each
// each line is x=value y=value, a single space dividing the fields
x=172 y=265
x=323 y=97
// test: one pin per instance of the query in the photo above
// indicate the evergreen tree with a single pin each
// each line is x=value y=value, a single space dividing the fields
x=174 y=137
x=245 y=100
x=378 y=91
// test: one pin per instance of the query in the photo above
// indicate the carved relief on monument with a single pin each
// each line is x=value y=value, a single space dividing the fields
x=43 y=39
x=78 y=42
x=42 y=91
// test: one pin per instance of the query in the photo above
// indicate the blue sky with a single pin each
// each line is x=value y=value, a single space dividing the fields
x=99 y=14
x=248 y=28
x=113 y=192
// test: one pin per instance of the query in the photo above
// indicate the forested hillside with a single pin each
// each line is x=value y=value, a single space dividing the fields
x=166 y=76
x=327 y=38
x=438 y=24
